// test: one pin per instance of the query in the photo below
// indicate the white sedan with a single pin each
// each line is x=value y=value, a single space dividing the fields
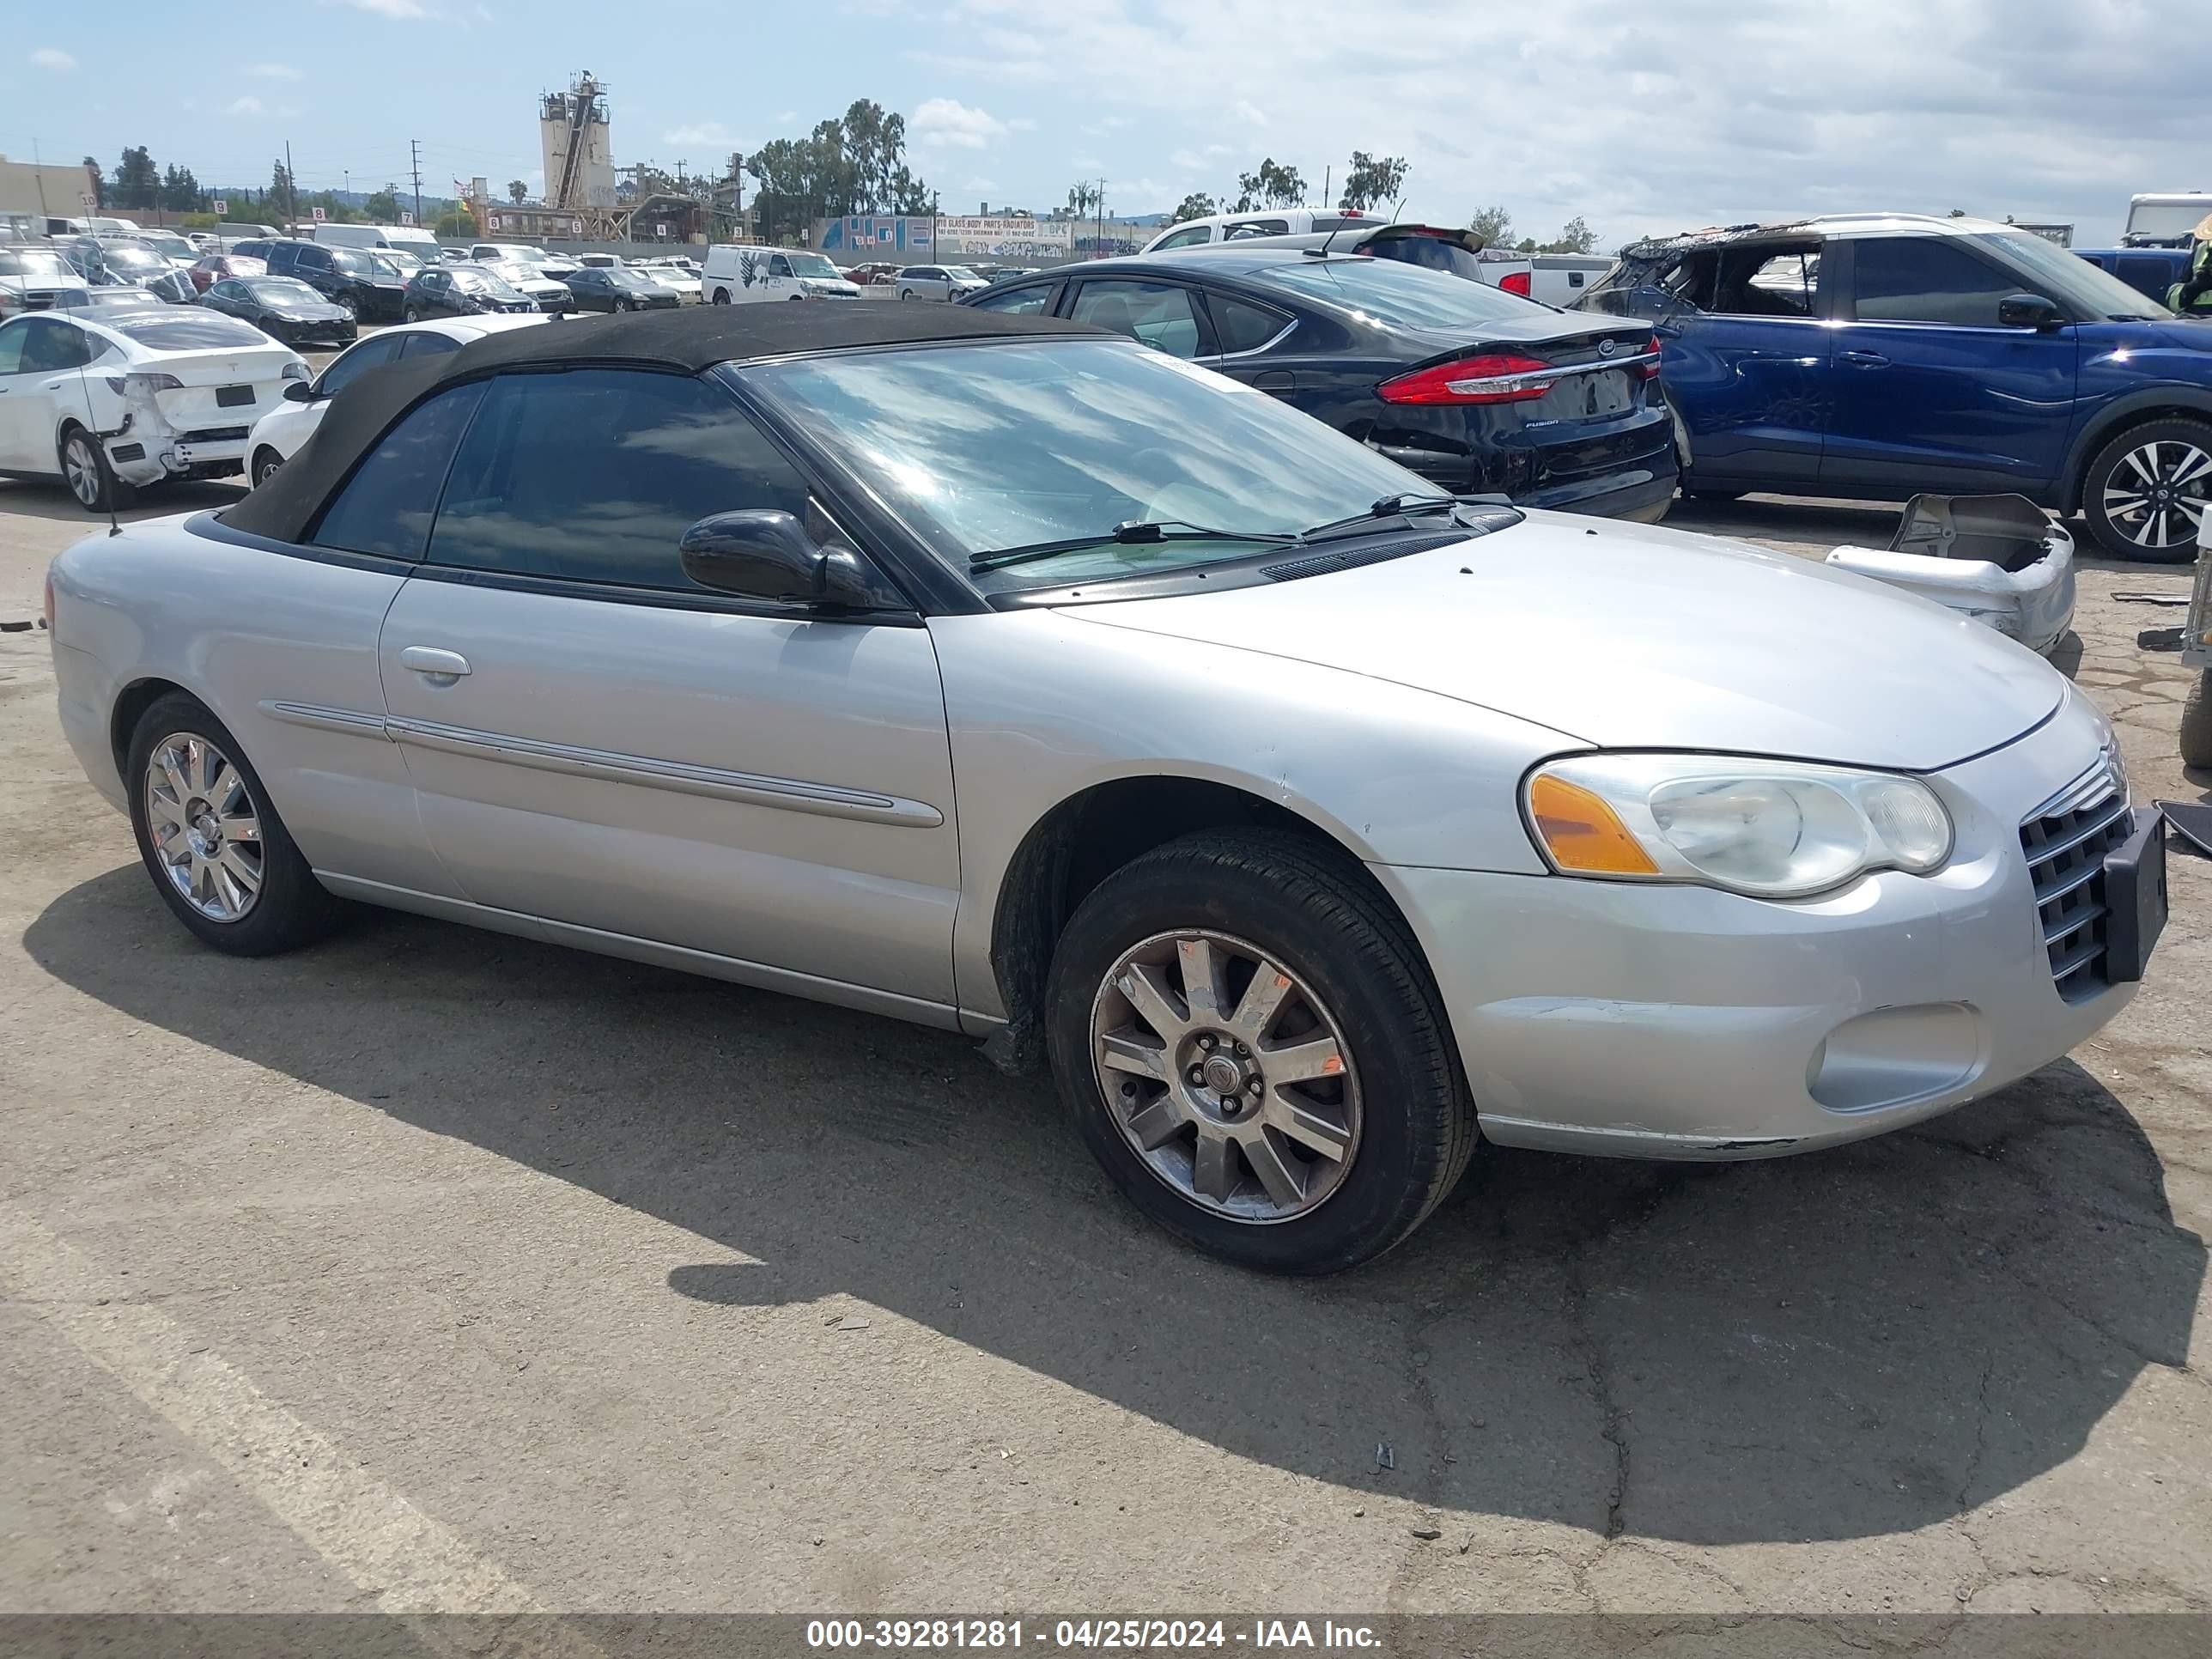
x=671 y=275
x=173 y=393
x=277 y=436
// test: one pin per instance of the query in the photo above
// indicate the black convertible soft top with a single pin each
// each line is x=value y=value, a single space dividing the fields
x=689 y=339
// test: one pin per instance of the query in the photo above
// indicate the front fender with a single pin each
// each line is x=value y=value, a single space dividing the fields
x=2179 y=388
x=1043 y=705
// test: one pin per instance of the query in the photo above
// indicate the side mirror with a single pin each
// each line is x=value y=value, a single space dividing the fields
x=765 y=553
x=299 y=391
x=2029 y=311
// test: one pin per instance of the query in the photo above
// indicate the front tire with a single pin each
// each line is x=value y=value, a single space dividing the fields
x=218 y=855
x=265 y=463
x=1345 y=1122
x=2145 y=490
x=89 y=477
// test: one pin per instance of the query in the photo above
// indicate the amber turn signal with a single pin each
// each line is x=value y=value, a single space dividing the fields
x=1582 y=833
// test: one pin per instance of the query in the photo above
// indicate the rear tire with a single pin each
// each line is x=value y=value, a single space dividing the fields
x=280 y=904
x=1347 y=970
x=410 y=314
x=721 y=296
x=89 y=477
x=2145 y=490
x=2196 y=724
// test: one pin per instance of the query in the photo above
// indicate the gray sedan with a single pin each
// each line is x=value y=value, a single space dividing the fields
x=998 y=674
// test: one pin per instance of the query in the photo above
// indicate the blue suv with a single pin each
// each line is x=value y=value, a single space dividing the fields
x=1872 y=357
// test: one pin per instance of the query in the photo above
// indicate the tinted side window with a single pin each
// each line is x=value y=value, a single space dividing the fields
x=50 y=345
x=778 y=265
x=595 y=474
x=1928 y=279
x=283 y=258
x=1256 y=228
x=368 y=354
x=428 y=345
x=387 y=505
x=11 y=347
x=1189 y=238
x=1156 y=314
x=1024 y=301
x=1243 y=325
x=1767 y=282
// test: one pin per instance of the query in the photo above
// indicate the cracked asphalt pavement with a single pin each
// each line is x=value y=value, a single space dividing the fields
x=433 y=1270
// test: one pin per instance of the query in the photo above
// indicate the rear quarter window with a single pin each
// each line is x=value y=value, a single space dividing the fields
x=386 y=507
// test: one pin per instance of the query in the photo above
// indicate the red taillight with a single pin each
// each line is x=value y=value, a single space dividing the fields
x=1517 y=282
x=1491 y=379
x=1651 y=369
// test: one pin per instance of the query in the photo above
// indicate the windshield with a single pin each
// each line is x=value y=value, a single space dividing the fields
x=958 y=273
x=813 y=264
x=631 y=279
x=35 y=262
x=133 y=258
x=2167 y=222
x=2089 y=291
x=166 y=243
x=186 y=329
x=984 y=447
x=1396 y=296
x=400 y=260
x=1430 y=252
x=283 y=290
x=482 y=279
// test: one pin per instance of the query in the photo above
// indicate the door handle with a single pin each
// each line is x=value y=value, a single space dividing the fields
x=440 y=667
x=1862 y=359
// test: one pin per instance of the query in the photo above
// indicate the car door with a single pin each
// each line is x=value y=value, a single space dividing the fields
x=599 y=742
x=1745 y=360
x=1929 y=390
x=26 y=424
x=779 y=281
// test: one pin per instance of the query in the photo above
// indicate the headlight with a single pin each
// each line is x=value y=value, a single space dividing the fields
x=1769 y=829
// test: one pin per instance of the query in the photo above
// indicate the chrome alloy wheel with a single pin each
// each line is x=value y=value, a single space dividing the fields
x=2158 y=492
x=1229 y=1077
x=80 y=466
x=204 y=827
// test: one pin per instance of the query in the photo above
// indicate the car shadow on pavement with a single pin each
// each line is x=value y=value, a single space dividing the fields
x=31 y=499
x=1858 y=1342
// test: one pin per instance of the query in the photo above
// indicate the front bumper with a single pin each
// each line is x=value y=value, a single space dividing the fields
x=1680 y=1022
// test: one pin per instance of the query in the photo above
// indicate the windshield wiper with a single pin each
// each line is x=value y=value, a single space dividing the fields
x=1390 y=506
x=1130 y=532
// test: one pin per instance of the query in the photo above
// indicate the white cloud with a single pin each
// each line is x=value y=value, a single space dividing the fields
x=1187 y=160
x=950 y=124
x=2041 y=108
x=702 y=133
x=272 y=71
x=246 y=105
x=53 y=57
x=401 y=10
x=1021 y=124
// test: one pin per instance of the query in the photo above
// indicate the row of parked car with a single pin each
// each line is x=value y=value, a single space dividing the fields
x=1866 y=356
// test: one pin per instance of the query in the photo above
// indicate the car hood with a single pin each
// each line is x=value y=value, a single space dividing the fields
x=1628 y=636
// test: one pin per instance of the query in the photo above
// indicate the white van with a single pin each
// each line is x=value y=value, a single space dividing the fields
x=411 y=238
x=742 y=273
x=1264 y=222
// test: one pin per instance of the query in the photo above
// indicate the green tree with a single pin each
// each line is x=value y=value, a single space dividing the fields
x=98 y=182
x=383 y=208
x=1085 y=197
x=1574 y=237
x=138 y=180
x=180 y=192
x=1526 y=245
x=283 y=196
x=456 y=224
x=1493 y=226
x=517 y=191
x=1372 y=180
x=1272 y=185
x=1196 y=206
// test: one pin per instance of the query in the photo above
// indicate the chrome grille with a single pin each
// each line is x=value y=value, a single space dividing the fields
x=2066 y=841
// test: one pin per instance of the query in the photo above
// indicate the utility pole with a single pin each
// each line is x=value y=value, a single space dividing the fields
x=38 y=175
x=414 y=161
x=291 y=187
x=1098 y=237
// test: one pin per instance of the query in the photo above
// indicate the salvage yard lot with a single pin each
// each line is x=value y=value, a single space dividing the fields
x=433 y=1269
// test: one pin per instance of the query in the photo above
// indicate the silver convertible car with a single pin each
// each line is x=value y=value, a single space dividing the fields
x=1002 y=675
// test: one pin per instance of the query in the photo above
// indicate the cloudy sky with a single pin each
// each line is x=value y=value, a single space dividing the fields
x=1636 y=116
